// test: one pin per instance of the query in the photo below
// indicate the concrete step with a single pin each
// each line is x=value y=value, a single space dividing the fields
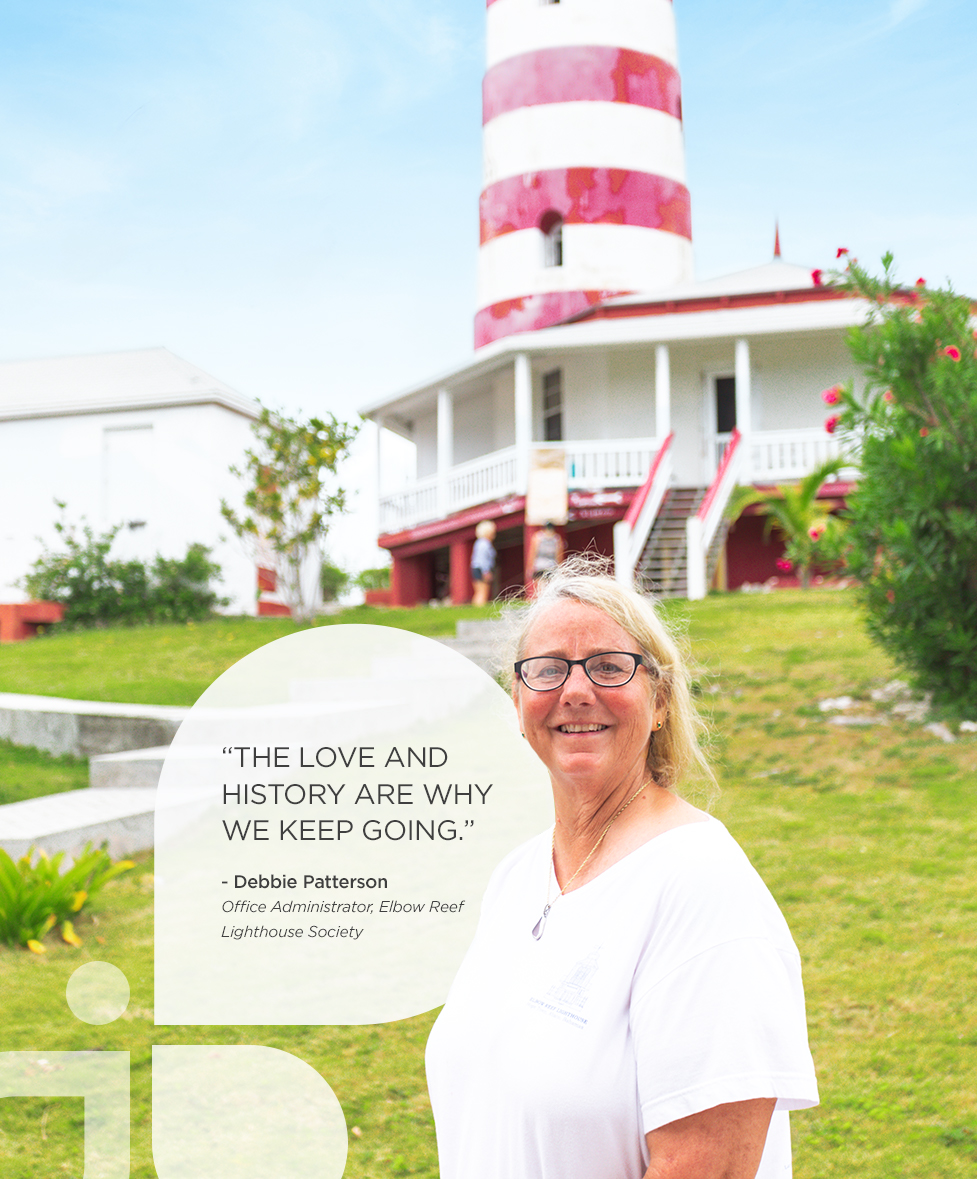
x=85 y=727
x=481 y=640
x=66 y=822
x=129 y=770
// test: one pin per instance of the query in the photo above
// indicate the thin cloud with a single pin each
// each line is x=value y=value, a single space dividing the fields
x=901 y=10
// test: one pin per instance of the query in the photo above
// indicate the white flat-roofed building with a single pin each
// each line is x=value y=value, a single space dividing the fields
x=140 y=439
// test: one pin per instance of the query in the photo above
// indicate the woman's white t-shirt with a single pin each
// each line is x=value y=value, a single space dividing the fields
x=667 y=985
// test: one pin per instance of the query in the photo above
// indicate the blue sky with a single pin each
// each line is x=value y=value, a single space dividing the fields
x=286 y=193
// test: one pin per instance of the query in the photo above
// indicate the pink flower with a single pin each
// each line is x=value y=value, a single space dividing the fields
x=784 y=565
x=831 y=396
x=841 y=250
x=923 y=432
x=952 y=351
x=816 y=277
x=888 y=395
x=921 y=282
x=814 y=532
x=832 y=423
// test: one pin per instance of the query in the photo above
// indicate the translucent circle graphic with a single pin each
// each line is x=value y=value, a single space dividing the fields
x=327 y=820
x=97 y=992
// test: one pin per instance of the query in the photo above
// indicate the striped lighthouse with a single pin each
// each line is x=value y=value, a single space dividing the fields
x=584 y=191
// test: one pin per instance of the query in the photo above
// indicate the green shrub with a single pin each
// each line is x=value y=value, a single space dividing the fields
x=332 y=581
x=99 y=591
x=34 y=897
x=373 y=579
x=913 y=527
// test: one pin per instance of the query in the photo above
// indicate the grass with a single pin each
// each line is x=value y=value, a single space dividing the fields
x=31 y=773
x=174 y=664
x=866 y=836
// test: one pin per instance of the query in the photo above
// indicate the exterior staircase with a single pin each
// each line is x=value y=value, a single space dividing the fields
x=663 y=566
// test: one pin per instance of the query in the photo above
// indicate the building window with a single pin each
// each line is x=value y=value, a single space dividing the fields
x=725 y=405
x=553 y=406
x=552 y=229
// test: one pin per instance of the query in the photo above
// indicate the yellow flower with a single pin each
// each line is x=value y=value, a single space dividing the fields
x=69 y=935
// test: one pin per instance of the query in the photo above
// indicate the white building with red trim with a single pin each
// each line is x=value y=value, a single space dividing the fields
x=593 y=341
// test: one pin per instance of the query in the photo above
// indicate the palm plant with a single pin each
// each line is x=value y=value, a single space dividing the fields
x=793 y=510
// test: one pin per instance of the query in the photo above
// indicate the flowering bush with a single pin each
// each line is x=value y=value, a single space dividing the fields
x=913 y=526
x=811 y=535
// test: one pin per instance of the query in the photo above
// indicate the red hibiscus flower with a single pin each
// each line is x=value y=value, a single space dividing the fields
x=921 y=282
x=831 y=424
x=841 y=250
x=831 y=396
x=816 y=277
x=952 y=351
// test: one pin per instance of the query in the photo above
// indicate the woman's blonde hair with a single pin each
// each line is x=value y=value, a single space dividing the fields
x=485 y=530
x=674 y=749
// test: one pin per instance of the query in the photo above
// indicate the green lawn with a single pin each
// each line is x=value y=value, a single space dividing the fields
x=173 y=664
x=31 y=773
x=867 y=837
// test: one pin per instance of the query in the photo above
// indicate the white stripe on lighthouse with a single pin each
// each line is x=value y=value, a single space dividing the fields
x=615 y=257
x=583 y=135
x=520 y=26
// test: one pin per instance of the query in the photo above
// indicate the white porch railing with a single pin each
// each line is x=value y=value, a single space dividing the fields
x=778 y=456
x=621 y=462
x=479 y=480
x=768 y=456
x=404 y=509
x=701 y=528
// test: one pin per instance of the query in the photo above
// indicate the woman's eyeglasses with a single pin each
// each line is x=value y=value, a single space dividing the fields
x=608 y=669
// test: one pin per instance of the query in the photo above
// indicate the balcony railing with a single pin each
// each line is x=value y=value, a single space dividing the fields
x=590 y=465
x=778 y=456
x=770 y=456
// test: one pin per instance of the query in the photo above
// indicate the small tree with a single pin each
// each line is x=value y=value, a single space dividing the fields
x=914 y=516
x=287 y=504
x=809 y=531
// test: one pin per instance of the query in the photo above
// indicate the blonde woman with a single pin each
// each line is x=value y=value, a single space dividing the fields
x=483 y=562
x=631 y=1006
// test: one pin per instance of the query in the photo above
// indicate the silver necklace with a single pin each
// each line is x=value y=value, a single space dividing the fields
x=541 y=923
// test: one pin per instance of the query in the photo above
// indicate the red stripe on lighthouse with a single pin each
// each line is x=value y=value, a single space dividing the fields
x=530 y=312
x=585 y=196
x=581 y=73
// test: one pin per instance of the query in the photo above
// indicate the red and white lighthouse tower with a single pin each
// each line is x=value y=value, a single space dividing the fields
x=584 y=190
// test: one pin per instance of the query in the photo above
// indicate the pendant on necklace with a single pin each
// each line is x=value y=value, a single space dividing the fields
x=541 y=923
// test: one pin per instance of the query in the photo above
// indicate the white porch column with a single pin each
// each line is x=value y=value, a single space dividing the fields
x=743 y=395
x=663 y=393
x=446 y=445
x=524 y=418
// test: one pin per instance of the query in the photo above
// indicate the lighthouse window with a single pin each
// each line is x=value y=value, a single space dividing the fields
x=552 y=227
x=553 y=406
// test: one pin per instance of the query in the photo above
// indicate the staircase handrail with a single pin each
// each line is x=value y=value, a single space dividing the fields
x=631 y=533
x=717 y=495
x=701 y=528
